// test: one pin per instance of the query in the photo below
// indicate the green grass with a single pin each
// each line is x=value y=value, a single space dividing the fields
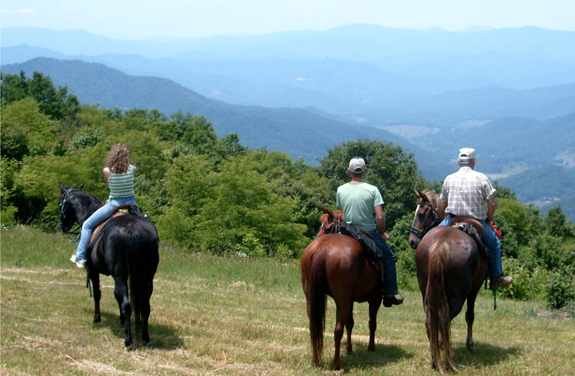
x=215 y=315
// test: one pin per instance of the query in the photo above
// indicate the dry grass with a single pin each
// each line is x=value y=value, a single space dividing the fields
x=213 y=315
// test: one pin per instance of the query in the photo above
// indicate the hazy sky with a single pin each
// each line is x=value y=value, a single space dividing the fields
x=140 y=19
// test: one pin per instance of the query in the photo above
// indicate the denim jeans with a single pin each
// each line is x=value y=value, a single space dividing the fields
x=491 y=241
x=95 y=219
x=388 y=258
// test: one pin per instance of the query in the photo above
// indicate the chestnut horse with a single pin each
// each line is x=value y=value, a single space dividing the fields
x=335 y=265
x=450 y=270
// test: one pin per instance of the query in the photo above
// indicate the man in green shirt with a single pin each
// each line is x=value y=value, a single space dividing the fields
x=359 y=201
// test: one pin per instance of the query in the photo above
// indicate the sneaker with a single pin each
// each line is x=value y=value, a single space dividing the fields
x=73 y=258
x=501 y=282
x=81 y=264
x=388 y=301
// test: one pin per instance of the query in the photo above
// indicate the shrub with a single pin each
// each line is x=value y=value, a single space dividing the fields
x=561 y=287
x=527 y=283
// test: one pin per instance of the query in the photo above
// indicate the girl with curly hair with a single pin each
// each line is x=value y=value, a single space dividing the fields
x=119 y=176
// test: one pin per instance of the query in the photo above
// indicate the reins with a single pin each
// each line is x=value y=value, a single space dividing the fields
x=336 y=228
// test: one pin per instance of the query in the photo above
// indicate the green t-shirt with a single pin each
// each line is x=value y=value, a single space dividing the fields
x=357 y=201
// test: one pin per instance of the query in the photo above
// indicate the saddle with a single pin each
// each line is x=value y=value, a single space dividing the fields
x=474 y=229
x=371 y=250
x=118 y=211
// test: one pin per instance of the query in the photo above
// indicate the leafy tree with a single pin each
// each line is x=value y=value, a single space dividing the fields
x=25 y=131
x=516 y=218
x=53 y=102
x=557 y=224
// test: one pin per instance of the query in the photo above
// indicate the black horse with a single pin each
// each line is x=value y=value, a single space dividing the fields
x=126 y=249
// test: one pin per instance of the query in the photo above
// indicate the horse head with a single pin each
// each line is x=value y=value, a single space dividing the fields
x=330 y=221
x=75 y=206
x=427 y=216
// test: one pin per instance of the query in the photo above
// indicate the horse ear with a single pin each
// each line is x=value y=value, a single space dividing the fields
x=417 y=192
x=326 y=211
x=63 y=188
x=81 y=186
x=424 y=197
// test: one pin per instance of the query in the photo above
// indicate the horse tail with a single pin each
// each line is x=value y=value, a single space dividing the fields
x=142 y=260
x=438 y=320
x=317 y=301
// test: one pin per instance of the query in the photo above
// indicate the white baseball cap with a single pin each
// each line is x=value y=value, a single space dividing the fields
x=357 y=165
x=466 y=154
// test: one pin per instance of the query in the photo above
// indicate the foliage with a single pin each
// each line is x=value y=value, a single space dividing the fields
x=561 y=287
x=527 y=284
x=53 y=102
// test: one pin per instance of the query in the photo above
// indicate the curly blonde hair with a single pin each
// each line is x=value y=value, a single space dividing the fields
x=119 y=159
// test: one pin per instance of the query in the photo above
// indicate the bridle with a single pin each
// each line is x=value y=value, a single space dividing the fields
x=420 y=233
x=335 y=229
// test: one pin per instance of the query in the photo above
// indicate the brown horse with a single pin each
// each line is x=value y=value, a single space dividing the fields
x=335 y=265
x=450 y=270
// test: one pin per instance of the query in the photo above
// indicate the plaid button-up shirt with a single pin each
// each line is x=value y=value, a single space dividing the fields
x=466 y=193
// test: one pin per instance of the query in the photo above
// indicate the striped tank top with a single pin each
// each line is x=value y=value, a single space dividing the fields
x=122 y=185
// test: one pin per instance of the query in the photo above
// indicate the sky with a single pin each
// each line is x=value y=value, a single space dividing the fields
x=190 y=18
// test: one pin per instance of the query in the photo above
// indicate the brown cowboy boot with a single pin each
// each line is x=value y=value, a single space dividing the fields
x=388 y=301
x=501 y=282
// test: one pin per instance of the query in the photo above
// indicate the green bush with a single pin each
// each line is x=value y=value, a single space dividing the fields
x=527 y=284
x=561 y=287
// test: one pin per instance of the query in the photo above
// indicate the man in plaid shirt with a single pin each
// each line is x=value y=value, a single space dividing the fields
x=466 y=193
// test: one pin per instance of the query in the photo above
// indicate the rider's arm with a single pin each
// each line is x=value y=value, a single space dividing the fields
x=442 y=205
x=490 y=208
x=380 y=221
x=106 y=173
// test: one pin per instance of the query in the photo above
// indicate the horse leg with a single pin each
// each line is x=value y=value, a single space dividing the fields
x=145 y=312
x=373 y=309
x=95 y=278
x=342 y=318
x=469 y=318
x=349 y=327
x=121 y=294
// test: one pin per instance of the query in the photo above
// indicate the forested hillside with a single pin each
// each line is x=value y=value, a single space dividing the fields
x=211 y=194
x=297 y=132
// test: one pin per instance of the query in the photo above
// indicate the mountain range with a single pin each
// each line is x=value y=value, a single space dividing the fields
x=297 y=132
x=510 y=93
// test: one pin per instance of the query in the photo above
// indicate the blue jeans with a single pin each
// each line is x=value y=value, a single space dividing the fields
x=95 y=219
x=491 y=241
x=389 y=272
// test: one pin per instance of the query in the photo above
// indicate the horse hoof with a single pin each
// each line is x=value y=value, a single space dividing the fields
x=471 y=348
x=97 y=319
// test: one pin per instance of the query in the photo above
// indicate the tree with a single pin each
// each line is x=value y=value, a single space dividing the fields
x=25 y=131
x=557 y=224
x=55 y=103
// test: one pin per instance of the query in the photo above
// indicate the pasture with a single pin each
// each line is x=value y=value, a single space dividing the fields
x=237 y=316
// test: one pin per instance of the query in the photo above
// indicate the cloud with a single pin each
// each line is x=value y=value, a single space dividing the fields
x=17 y=11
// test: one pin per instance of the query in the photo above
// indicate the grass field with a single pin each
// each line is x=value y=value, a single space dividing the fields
x=235 y=316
